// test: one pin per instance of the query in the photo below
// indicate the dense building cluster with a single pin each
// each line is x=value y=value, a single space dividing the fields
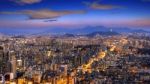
x=75 y=60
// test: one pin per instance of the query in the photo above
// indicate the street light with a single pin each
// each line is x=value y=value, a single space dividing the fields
x=29 y=82
x=13 y=82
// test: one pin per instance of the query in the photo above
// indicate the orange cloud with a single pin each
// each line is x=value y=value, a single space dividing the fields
x=96 y=5
x=26 y=1
x=44 y=13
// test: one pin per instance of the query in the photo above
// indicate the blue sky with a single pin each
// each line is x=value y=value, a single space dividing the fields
x=37 y=14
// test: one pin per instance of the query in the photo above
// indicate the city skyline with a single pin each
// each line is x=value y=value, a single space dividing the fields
x=40 y=15
x=74 y=42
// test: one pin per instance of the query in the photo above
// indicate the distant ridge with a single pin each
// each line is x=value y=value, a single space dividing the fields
x=60 y=31
x=100 y=33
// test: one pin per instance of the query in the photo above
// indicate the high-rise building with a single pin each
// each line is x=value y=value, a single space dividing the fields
x=13 y=65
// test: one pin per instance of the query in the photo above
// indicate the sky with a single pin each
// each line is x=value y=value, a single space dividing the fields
x=43 y=14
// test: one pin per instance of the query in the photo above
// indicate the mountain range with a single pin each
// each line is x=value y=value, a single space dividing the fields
x=60 y=31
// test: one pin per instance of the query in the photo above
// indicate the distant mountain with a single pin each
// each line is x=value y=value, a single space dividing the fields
x=19 y=31
x=60 y=31
x=129 y=30
x=69 y=35
x=90 y=29
x=85 y=30
x=122 y=30
x=102 y=34
x=93 y=34
x=66 y=35
x=140 y=31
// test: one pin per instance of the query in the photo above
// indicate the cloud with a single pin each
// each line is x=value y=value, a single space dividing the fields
x=26 y=1
x=96 y=5
x=51 y=20
x=133 y=23
x=44 y=13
